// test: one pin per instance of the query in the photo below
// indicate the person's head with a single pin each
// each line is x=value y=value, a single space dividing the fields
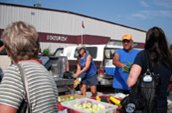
x=127 y=42
x=81 y=51
x=156 y=44
x=21 y=41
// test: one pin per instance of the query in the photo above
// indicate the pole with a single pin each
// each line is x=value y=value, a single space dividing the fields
x=82 y=32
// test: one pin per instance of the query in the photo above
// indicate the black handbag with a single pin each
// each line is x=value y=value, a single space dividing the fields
x=134 y=102
x=25 y=106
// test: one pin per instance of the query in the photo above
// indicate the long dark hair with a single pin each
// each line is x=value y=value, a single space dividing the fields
x=156 y=45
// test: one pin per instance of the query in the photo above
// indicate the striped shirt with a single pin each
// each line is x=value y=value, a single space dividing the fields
x=42 y=88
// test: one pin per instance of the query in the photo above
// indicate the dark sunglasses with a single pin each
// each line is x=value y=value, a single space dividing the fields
x=126 y=41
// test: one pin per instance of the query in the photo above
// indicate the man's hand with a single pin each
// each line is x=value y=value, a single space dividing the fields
x=127 y=68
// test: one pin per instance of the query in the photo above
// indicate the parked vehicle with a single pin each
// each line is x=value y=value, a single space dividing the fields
x=5 y=60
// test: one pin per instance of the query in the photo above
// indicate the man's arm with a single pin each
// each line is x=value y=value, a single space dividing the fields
x=116 y=61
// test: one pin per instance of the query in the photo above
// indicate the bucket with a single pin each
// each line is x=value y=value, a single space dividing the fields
x=58 y=66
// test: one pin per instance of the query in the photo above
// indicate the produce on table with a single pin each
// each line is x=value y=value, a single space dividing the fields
x=126 y=69
x=102 y=99
x=65 y=99
x=98 y=98
x=86 y=105
x=115 y=101
x=90 y=107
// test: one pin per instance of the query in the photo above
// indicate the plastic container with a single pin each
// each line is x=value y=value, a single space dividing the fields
x=109 y=108
x=60 y=107
x=76 y=96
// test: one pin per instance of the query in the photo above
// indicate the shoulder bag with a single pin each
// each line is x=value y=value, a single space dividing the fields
x=25 y=106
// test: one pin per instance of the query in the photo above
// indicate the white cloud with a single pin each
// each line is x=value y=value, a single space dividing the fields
x=161 y=9
x=144 y=4
x=139 y=16
x=164 y=3
x=158 y=13
x=152 y=14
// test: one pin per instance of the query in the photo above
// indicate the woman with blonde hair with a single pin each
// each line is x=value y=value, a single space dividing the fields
x=22 y=45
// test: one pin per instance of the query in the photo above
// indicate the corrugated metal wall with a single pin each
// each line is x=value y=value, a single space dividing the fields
x=65 y=23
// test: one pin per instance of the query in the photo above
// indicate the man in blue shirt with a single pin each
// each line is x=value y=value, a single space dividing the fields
x=123 y=58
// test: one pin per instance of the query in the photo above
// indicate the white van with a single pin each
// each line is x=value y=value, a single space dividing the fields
x=102 y=56
x=5 y=60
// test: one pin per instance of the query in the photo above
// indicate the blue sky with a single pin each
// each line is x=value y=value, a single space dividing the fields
x=142 y=14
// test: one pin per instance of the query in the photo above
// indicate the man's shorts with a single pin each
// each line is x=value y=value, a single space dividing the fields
x=90 y=80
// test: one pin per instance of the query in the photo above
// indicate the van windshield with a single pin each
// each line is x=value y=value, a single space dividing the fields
x=109 y=52
x=91 y=50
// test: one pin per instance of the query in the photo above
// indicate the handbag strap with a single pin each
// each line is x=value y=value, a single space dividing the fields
x=136 y=87
x=25 y=85
x=148 y=63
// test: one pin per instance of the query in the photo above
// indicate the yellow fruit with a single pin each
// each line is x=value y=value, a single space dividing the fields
x=76 y=83
x=114 y=100
x=98 y=98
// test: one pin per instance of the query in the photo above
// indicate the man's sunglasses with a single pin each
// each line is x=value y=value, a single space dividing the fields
x=126 y=41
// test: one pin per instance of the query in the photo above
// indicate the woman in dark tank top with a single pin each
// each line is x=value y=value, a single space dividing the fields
x=87 y=70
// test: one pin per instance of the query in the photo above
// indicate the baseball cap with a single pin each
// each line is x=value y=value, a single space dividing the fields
x=127 y=37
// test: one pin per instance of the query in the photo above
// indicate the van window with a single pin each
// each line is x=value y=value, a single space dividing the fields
x=58 y=52
x=92 y=51
x=109 y=52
